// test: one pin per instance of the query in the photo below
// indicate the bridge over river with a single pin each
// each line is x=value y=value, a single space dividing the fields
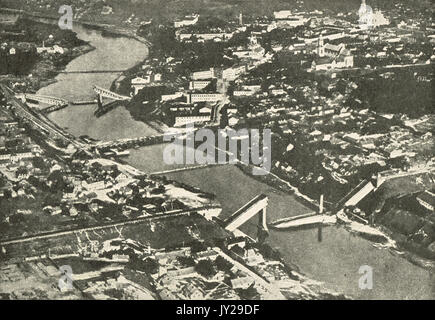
x=55 y=103
x=92 y=71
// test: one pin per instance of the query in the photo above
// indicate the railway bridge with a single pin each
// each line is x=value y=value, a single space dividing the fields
x=114 y=97
x=52 y=101
x=256 y=206
x=101 y=92
x=131 y=142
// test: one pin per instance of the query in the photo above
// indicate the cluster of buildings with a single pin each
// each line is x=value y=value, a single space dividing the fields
x=237 y=272
x=149 y=78
x=330 y=56
x=35 y=186
x=318 y=112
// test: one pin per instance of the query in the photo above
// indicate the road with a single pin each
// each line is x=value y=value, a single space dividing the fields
x=23 y=111
x=47 y=235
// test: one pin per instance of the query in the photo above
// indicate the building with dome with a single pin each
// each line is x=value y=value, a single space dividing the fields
x=369 y=18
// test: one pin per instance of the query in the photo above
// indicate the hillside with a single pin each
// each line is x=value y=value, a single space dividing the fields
x=120 y=10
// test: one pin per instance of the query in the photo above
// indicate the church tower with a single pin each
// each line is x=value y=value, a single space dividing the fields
x=365 y=14
x=254 y=40
x=321 y=47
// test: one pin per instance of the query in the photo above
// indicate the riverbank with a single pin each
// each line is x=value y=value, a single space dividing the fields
x=47 y=65
x=335 y=260
x=379 y=236
x=280 y=184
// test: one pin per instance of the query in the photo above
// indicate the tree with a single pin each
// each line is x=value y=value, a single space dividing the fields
x=222 y=264
x=205 y=268
x=248 y=293
x=198 y=246
x=187 y=261
x=148 y=265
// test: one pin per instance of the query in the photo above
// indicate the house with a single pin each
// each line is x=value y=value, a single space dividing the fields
x=204 y=97
x=139 y=83
x=165 y=294
x=203 y=75
x=205 y=110
x=285 y=18
x=192 y=293
x=183 y=120
x=73 y=212
x=51 y=50
x=181 y=273
x=242 y=282
x=232 y=121
x=283 y=14
x=198 y=85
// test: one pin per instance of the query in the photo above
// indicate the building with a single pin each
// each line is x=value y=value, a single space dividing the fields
x=186 y=21
x=365 y=14
x=332 y=56
x=234 y=72
x=204 y=97
x=283 y=14
x=183 y=120
x=21 y=155
x=369 y=19
x=201 y=37
x=285 y=18
x=332 y=50
x=174 y=96
x=242 y=283
x=254 y=51
x=180 y=273
x=192 y=293
x=139 y=83
x=198 y=84
x=427 y=200
x=243 y=93
x=379 y=19
x=203 y=75
x=205 y=110
x=51 y=50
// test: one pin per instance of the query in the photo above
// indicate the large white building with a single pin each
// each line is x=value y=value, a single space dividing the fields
x=203 y=75
x=204 y=97
x=186 y=21
x=285 y=18
x=369 y=18
x=331 y=57
x=198 y=84
x=183 y=120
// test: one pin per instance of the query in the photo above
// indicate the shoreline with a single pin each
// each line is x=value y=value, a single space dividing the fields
x=53 y=72
x=273 y=180
x=397 y=250
x=109 y=29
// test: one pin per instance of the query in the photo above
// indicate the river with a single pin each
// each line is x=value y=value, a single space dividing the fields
x=335 y=260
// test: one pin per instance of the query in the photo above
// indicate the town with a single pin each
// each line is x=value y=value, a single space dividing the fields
x=346 y=95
